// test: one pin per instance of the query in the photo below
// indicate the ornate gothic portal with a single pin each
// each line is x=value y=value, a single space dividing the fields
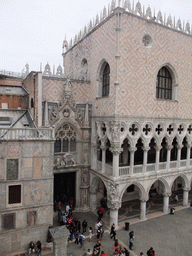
x=71 y=122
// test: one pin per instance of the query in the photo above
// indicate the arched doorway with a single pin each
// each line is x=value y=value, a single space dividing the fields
x=130 y=199
x=177 y=191
x=98 y=193
x=156 y=197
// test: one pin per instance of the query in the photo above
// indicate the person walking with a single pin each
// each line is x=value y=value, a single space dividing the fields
x=76 y=237
x=81 y=240
x=113 y=232
x=84 y=225
x=131 y=243
x=90 y=234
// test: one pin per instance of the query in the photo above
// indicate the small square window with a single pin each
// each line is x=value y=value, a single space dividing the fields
x=14 y=194
x=8 y=221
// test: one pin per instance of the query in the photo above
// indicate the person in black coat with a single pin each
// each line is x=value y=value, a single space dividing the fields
x=113 y=232
x=84 y=225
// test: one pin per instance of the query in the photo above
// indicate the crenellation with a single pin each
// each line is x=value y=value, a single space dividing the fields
x=178 y=26
x=136 y=10
x=169 y=21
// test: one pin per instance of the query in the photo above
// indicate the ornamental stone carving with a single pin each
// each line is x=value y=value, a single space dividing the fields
x=147 y=40
x=54 y=114
x=138 y=9
x=159 y=17
x=115 y=130
x=114 y=205
x=67 y=88
x=169 y=21
x=65 y=160
x=113 y=191
x=148 y=13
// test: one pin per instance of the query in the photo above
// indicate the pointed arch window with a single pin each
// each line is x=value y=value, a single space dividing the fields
x=65 y=139
x=164 y=84
x=106 y=80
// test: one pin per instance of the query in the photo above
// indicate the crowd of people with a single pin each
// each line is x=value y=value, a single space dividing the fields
x=35 y=248
x=77 y=233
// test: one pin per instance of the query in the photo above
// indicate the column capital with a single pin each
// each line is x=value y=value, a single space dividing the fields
x=169 y=147
x=186 y=189
x=116 y=150
x=114 y=205
x=179 y=146
x=112 y=191
x=132 y=149
x=93 y=190
x=146 y=148
x=158 y=148
x=167 y=194
x=103 y=147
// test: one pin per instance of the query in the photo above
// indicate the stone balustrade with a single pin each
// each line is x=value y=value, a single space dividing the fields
x=125 y=170
x=26 y=134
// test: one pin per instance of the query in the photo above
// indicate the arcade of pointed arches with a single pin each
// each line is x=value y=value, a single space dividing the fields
x=168 y=186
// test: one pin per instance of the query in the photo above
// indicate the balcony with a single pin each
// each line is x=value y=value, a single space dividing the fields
x=125 y=170
x=26 y=134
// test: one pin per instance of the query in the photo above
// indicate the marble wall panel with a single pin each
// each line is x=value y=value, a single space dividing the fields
x=37 y=149
x=37 y=168
x=45 y=215
x=31 y=218
x=2 y=169
x=12 y=170
x=48 y=191
x=27 y=149
x=3 y=150
x=33 y=193
x=26 y=170
x=47 y=167
x=2 y=195
x=5 y=242
x=47 y=149
x=21 y=219
x=13 y=150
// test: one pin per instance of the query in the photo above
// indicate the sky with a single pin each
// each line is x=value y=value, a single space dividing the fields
x=32 y=31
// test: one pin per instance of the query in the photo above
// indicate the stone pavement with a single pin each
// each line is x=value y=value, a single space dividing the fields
x=167 y=234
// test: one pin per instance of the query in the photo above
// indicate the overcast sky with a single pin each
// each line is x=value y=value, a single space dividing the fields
x=33 y=30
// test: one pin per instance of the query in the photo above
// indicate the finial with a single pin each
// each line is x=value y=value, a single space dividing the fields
x=85 y=30
x=97 y=20
x=90 y=25
x=104 y=12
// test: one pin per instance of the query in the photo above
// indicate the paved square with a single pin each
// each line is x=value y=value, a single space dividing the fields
x=169 y=234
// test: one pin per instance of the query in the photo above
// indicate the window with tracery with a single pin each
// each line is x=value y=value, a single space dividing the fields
x=164 y=84
x=65 y=139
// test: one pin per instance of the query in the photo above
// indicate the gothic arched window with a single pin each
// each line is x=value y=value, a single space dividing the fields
x=164 y=84
x=106 y=80
x=65 y=139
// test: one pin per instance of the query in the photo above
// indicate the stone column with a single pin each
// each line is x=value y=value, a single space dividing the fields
x=178 y=155
x=60 y=240
x=169 y=147
x=114 y=207
x=158 y=148
x=188 y=154
x=116 y=153
x=132 y=152
x=185 y=197
x=145 y=149
x=125 y=154
x=142 y=210
x=94 y=156
x=166 y=203
x=103 y=148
